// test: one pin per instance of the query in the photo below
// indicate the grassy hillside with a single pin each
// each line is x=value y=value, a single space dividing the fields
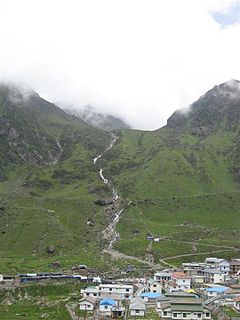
x=183 y=181
x=49 y=184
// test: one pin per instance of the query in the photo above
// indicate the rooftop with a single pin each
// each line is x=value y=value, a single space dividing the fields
x=180 y=275
x=108 y=302
x=152 y=295
x=217 y=289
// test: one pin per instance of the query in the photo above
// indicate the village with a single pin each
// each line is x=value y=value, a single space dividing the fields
x=197 y=290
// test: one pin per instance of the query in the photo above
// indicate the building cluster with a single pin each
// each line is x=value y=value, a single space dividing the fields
x=190 y=292
x=194 y=291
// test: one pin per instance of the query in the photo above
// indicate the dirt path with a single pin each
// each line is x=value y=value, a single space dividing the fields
x=119 y=255
x=71 y=312
x=194 y=254
x=204 y=245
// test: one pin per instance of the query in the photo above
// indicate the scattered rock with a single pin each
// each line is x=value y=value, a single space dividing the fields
x=100 y=202
x=50 y=249
x=56 y=264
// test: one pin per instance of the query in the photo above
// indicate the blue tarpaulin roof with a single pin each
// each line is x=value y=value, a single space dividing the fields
x=217 y=289
x=108 y=302
x=152 y=295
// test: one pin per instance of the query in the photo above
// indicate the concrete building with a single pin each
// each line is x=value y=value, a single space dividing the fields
x=106 y=306
x=116 y=291
x=180 y=281
x=185 y=309
x=87 y=304
x=150 y=298
x=92 y=291
x=215 y=291
x=213 y=276
x=235 y=266
x=219 y=264
x=154 y=286
x=163 y=276
x=137 y=308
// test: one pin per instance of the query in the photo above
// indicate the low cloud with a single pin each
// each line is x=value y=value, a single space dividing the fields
x=137 y=59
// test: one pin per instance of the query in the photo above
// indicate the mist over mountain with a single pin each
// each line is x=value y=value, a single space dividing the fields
x=218 y=105
x=97 y=119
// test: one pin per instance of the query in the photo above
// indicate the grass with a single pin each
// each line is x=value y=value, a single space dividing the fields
x=181 y=188
x=231 y=312
x=31 y=311
x=35 y=301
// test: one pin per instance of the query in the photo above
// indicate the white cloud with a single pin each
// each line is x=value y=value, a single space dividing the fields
x=140 y=59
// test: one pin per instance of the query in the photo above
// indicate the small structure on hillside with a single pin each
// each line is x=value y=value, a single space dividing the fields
x=137 y=307
x=106 y=306
x=87 y=304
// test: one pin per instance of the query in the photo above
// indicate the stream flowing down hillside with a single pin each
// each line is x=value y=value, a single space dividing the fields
x=110 y=232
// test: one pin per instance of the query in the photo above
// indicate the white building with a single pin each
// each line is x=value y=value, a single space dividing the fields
x=213 y=276
x=219 y=264
x=137 y=308
x=106 y=306
x=154 y=286
x=87 y=304
x=116 y=291
x=180 y=281
x=92 y=291
x=163 y=276
x=1 y=278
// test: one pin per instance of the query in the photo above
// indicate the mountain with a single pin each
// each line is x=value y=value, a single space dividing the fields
x=183 y=180
x=48 y=183
x=103 y=121
x=180 y=182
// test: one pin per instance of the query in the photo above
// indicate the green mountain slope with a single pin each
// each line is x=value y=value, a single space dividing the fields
x=183 y=180
x=49 y=183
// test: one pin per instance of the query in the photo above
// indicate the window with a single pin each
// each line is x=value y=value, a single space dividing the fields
x=174 y=315
x=89 y=306
x=127 y=290
x=95 y=294
x=165 y=313
x=199 y=315
x=208 y=314
x=87 y=294
x=154 y=285
x=110 y=289
x=184 y=315
x=105 y=307
x=137 y=311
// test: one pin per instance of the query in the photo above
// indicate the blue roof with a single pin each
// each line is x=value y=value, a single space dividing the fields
x=152 y=295
x=217 y=289
x=108 y=302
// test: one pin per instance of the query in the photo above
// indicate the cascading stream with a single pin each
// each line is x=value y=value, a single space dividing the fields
x=111 y=228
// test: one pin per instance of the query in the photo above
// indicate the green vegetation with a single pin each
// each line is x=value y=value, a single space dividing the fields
x=183 y=181
x=35 y=301
x=230 y=312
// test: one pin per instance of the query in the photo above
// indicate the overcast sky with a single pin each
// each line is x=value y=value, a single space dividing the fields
x=140 y=59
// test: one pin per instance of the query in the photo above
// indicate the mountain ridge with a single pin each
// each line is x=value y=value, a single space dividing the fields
x=182 y=184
